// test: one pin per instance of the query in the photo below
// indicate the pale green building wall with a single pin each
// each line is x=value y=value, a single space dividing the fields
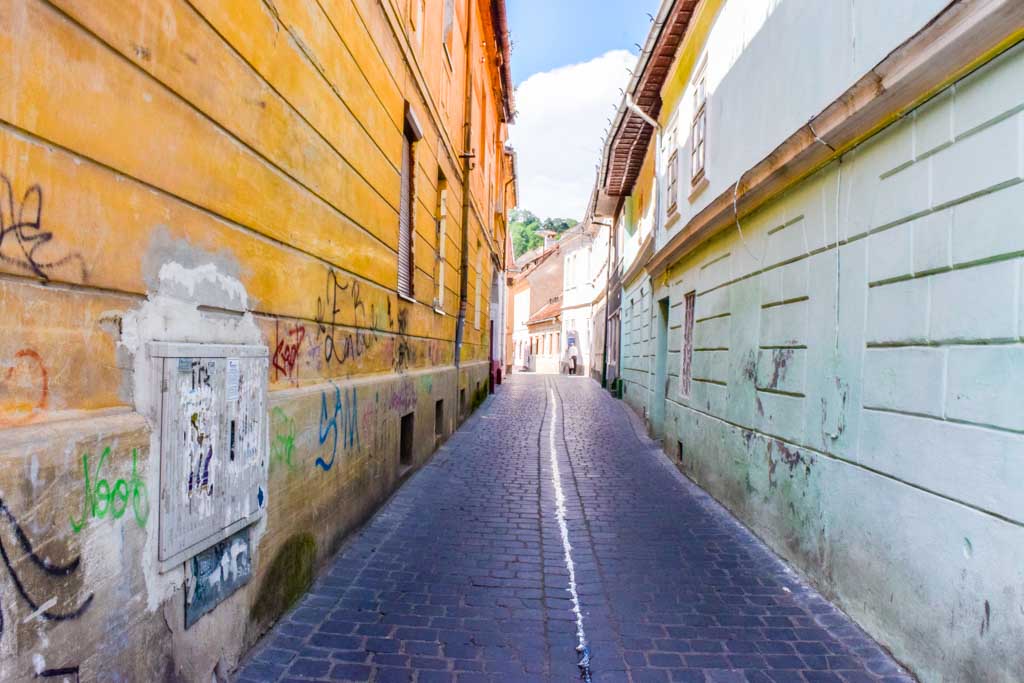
x=860 y=407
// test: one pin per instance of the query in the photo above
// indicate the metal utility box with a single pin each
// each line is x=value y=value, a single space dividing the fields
x=213 y=443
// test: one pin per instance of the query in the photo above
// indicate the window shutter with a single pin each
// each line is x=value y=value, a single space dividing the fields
x=405 y=222
x=686 y=369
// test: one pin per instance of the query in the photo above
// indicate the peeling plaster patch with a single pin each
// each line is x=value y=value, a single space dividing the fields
x=195 y=265
x=39 y=663
x=33 y=471
x=750 y=367
x=182 y=280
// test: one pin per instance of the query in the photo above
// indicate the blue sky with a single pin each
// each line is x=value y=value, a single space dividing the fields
x=569 y=60
x=552 y=33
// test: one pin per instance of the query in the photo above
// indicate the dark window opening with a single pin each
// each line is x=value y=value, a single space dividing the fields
x=405 y=442
x=439 y=418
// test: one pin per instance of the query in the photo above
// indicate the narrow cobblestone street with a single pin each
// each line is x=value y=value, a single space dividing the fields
x=463 y=576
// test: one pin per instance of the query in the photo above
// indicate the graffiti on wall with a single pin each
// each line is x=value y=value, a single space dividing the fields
x=23 y=242
x=216 y=573
x=102 y=498
x=286 y=351
x=67 y=673
x=282 y=444
x=403 y=350
x=42 y=609
x=403 y=398
x=343 y=346
x=25 y=388
x=341 y=420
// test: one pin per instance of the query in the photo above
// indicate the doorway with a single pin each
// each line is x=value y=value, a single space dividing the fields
x=659 y=388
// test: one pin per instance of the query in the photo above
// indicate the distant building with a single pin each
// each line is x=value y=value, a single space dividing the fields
x=544 y=331
x=584 y=252
x=534 y=310
x=818 y=245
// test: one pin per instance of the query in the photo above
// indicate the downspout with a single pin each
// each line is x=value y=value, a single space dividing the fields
x=467 y=157
x=632 y=106
x=607 y=304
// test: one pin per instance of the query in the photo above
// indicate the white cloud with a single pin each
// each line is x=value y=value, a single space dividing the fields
x=560 y=118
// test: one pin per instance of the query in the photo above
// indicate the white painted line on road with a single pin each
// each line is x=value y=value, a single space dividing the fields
x=556 y=480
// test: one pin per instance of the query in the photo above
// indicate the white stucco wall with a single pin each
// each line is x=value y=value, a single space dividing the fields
x=771 y=66
x=584 y=279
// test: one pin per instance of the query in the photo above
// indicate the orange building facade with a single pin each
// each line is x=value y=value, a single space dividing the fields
x=246 y=265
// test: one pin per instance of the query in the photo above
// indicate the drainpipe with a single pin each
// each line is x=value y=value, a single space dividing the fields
x=467 y=157
x=642 y=114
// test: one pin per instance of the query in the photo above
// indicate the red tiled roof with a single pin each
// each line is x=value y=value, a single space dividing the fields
x=546 y=312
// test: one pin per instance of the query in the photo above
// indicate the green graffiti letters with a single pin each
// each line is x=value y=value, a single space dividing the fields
x=102 y=498
x=283 y=444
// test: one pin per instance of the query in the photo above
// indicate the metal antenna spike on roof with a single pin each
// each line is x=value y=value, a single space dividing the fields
x=649 y=16
x=639 y=47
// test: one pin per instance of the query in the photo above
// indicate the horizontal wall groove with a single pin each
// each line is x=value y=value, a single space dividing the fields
x=966 y=265
x=951 y=420
x=33 y=138
x=780 y=392
x=270 y=163
x=997 y=342
x=786 y=302
x=713 y=317
x=853 y=463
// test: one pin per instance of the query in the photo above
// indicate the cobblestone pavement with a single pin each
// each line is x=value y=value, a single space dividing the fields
x=462 y=576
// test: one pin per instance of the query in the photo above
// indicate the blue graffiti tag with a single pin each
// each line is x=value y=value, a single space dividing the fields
x=348 y=411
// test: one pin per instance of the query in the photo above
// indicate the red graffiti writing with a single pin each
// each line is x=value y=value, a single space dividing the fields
x=26 y=372
x=287 y=353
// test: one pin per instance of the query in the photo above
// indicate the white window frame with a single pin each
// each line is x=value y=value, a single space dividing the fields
x=442 y=219
x=412 y=134
x=699 y=127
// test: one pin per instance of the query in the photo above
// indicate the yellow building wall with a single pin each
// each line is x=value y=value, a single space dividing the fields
x=152 y=151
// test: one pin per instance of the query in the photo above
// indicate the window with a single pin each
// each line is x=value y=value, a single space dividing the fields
x=441 y=216
x=416 y=20
x=698 y=129
x=438 y=418
x=447 y=28
x=405 y=442
x=406 y=201
x=686 y=371
x=673 y=181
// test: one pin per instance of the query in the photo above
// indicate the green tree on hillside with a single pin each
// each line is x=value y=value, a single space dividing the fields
x=525 y=225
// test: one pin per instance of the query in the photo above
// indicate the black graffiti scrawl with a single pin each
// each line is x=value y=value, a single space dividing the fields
x=56 y=571
x=23 y=242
